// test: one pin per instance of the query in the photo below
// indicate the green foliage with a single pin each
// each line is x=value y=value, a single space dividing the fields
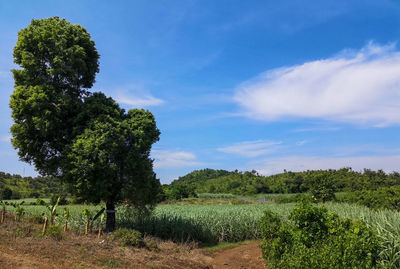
x=384 y=197
x=54 y=198
x=24 y=187
x=317 y=239
x=6 y=194
x=51 y=208
x=86 y=139
x=129 y=237
x=59 y=61
x=251 y=183
x=179 y=192
x=322 y=188
x=55 y=232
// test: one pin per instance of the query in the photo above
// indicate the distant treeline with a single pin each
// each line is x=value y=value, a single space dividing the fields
x=16 y=186
x=251 y=183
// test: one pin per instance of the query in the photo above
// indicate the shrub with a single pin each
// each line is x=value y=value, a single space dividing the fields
x=315 y=238
x=6 y=194
x=55 y=232
x=381 y=198
x=129 y=237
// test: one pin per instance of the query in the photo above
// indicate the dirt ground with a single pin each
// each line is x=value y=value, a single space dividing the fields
x=244 y=256
x=21 y=247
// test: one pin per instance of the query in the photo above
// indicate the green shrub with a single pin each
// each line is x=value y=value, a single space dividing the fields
x=6 y=194
x=129 y=237
x=314 y=238
x=381 y=198
x=55 y=232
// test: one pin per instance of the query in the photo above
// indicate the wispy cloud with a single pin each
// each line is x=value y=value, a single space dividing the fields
x=316 y=129
x=301 y=143
x=358 y=87
x=251 y=149
x=168 y=159
x=303 y=163
x=138 y=101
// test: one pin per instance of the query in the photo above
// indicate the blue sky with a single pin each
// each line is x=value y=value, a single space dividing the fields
x=242 y=85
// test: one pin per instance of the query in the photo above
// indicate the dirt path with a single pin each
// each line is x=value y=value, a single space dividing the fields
x=243 y=256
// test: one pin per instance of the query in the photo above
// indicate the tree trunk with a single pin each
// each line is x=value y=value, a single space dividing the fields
x=110 y=221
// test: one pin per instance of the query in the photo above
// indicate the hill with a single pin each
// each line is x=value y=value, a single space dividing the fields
x=15 y=186
x=250 y=183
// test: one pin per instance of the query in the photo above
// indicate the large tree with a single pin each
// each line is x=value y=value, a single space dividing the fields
x=83 y=138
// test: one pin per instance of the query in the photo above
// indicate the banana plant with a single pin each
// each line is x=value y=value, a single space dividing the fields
x=52 y=209
x=19 y=211
x=66 y=216
x=100 y=225
x=3 y=211
x=90 y=218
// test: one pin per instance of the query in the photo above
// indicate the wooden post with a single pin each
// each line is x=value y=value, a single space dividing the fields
x=44 y=226
x=66 y=226
x=99 y=234
x=87 y=227
x=3 y=215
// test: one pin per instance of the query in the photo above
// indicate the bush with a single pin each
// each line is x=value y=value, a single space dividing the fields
x=315 y=238
x=6 y=194
x=129 y=237
x=55 y=232
x=382 y=198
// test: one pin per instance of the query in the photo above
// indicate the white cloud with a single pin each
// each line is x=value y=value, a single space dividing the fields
x=251 y=148
x=139 y=101
x=168 y=159
x=301 y=163
x=361 y=88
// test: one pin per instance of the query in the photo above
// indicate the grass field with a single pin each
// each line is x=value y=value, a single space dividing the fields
x=230 y=223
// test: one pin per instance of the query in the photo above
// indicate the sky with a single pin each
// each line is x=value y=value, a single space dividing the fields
x=263 y=85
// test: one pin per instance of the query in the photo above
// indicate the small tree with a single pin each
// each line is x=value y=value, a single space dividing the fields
x=322 y=187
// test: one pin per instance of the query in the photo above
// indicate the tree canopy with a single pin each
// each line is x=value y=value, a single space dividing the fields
x=84 y=138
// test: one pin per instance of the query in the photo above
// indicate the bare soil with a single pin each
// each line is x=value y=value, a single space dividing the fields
x=244 y=256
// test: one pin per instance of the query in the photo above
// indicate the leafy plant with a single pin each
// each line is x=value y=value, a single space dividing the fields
x=51 y=209
x=317 y=239
x=3 y=211
x=66 y=216
x=19 y=211
x=90 y=218
x=129 y=237
x=55 y=232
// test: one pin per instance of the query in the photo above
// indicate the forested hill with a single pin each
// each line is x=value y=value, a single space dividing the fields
x=245 y=183
x=16 y=186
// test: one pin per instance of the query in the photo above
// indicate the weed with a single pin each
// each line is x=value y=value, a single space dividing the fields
x=129 y=237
